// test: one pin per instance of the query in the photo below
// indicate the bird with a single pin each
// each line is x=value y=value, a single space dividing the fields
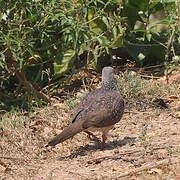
x=99 y=110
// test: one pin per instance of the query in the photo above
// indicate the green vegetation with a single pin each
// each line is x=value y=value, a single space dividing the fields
x=41 y=41
x=13 y=120
x=132 y=85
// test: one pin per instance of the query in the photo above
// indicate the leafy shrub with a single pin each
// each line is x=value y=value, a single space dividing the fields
x=48 y=38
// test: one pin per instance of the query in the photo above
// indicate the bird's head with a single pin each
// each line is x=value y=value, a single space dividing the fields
x=108 y=78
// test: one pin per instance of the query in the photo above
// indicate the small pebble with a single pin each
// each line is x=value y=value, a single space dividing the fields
x=116 y=151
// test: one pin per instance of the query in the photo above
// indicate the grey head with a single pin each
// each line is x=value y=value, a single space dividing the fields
x=108 y=79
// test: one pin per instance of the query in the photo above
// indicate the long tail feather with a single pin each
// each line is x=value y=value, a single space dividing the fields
x=67 y=133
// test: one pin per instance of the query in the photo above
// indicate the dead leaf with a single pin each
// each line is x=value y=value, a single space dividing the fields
x=3 y=164
x=155 y=170
x=173 y=97
x=176 y=114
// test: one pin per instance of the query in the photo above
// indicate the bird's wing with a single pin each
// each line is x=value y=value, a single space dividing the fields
x=77 y=113
x=105 y=112
x=84 y=104
x=101 y=118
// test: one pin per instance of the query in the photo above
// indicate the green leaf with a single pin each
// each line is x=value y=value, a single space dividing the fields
x=103 y=40
x=141 y=56
x=148 y=36
x=105 y=20
x=114 y=31
x=64 y=64
x=138 y=51
x=1 y=16
x=132 y=15
x=118 y=41
x=100 y=2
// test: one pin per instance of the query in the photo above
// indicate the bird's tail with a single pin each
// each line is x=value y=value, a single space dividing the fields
x=67 y=133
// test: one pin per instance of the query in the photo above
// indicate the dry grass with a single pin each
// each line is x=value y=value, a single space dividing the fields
x=136 y=91
x=132 y=85
x=147 y=136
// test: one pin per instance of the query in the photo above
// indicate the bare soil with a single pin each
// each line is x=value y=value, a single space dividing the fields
x=145 y=144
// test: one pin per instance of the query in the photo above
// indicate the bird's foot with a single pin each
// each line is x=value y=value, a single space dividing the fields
x=104 y=138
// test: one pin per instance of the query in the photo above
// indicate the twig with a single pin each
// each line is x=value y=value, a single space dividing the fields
x=7 y=157
x=151 y=77
x=98 y=160
x=136 y=112
x=143 y=68
x=150 y=166
x=12 y=63
x=155 y=66
x=169 y=45
x=89 y=52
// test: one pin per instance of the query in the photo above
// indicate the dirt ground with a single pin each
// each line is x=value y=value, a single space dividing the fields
x=145 y=144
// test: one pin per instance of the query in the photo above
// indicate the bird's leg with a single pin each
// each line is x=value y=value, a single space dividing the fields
x=90 y=134
x=104 y=138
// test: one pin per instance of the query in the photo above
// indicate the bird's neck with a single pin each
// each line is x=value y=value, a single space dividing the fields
x=109 y=85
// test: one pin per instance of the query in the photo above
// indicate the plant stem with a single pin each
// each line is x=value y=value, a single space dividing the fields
x=12 y=63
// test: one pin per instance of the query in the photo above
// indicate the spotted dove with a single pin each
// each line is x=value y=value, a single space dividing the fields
x=100 y=110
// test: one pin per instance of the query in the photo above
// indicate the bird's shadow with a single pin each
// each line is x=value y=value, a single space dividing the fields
x=83 y=150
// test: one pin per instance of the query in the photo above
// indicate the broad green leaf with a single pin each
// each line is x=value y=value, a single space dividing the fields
x=138 y=51
x=118 y=41
x=104 y=41
x=65 y=63
x=106 y=22
x=97 y=25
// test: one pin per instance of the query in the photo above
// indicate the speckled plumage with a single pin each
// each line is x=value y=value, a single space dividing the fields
x=99 y=110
